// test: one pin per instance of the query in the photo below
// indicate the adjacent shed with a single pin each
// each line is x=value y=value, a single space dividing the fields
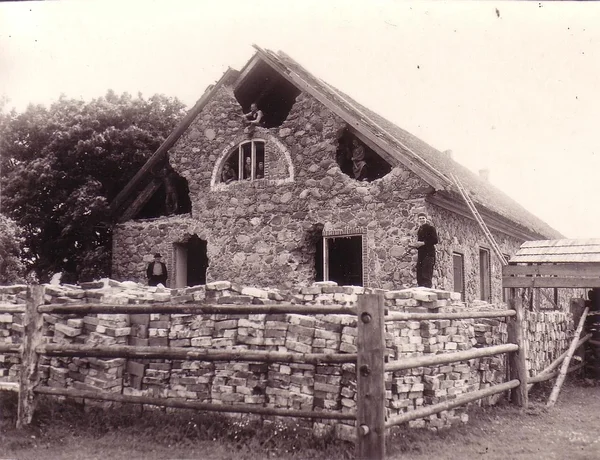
x=565 y=263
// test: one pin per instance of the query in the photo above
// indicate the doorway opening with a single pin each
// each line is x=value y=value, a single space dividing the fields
x=343 y=259
x=191 y=262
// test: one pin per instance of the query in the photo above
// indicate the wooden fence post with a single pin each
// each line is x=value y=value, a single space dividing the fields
x=32 y=337
x=517 y=362
x=370 y=411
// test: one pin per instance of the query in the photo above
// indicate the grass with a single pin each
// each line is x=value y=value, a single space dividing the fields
x=70 y=431
x=155 y=433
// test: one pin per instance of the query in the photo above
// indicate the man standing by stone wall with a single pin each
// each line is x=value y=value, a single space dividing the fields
x=157 y=272
x=425 y=244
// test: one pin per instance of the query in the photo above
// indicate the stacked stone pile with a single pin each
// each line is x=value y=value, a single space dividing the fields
x=548 y=334
x=11 y=329
x=294 y=386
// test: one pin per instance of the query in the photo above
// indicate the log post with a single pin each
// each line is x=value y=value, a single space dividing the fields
x=370 y=411
x=517 y=362
x=32 y=337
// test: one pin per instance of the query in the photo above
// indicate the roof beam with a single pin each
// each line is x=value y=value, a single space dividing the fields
x=574 y=269
x=161 y=152
x=550 y=282
x=140 y=200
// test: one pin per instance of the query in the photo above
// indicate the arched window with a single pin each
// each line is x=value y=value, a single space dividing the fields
x=245 y=162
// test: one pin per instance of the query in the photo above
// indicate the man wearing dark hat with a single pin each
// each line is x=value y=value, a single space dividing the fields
x=156 y=272
x=426 y=241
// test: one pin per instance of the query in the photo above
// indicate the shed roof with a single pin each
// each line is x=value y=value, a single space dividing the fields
x=558 y=251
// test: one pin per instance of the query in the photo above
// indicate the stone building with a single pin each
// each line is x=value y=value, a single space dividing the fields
x=321 y=189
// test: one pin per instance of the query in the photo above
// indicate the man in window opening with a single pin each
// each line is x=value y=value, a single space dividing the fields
x=157 y=272
x=260 y=171
x=253 y=118
x=228 y=174
x=425 y=245
x=359 y=165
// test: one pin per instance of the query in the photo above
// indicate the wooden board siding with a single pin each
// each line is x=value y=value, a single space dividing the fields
x=560 y=263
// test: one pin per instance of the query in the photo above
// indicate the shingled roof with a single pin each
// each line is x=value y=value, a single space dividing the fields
x=439 y=164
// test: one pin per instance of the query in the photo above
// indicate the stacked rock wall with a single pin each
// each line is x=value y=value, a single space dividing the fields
x=324 y=387
x=262 y=232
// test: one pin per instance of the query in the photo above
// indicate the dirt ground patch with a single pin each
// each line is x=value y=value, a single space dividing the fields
x=569 y=431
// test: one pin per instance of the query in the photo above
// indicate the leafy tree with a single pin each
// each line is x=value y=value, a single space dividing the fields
x=11 y=263
x=62 y=166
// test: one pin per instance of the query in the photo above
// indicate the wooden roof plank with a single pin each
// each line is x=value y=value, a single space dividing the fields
x=561 y=243
x=582 y=269
x=555 y=258
x=559 y=250
x=550 y=282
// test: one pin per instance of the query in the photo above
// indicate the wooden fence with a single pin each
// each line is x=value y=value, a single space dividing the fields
x=371 y=366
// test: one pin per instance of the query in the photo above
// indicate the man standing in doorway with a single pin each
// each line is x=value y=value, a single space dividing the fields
x=425 y=244
x=156 y=272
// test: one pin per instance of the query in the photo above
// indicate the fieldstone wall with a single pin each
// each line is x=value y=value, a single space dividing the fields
x=464 y=236
x=262 y=232
x=298 y=386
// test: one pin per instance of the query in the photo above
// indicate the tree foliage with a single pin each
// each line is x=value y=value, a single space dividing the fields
x=11 y=262
x=62 y=166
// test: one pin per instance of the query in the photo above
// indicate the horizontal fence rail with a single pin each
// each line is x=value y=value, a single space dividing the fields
x=450 y=404
x=397 y=316
x=423 y=361
x=541 y=377
x=190 y=354
x=550 y=375
x=197 y=309
x=12 y=309
x=182 y=404
x=10 y=348
x=9 y=386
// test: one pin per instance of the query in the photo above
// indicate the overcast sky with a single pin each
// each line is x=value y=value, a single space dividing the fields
x=509 y=86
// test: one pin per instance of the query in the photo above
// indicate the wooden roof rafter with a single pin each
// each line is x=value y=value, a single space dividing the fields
x=116 y=206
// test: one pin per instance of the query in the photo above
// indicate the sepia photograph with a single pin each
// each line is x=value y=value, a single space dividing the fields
x=299 y=230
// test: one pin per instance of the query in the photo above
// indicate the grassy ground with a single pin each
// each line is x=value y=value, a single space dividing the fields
x=65 y=431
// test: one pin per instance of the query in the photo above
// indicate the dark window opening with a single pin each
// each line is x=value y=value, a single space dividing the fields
x=343 y=260
x=458 y=266
x=358 y=161
x=191 y=262
x=246 y=161
x=485 y=276
x=171 y=197
x=272 y=93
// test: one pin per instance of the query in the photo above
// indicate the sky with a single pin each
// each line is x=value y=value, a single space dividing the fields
x=513 y=87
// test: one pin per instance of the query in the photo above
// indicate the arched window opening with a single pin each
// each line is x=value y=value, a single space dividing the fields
x=358 y=161
x=245 y=162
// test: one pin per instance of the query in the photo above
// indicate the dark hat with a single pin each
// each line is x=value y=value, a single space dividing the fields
x=422 y=214
x=157 y=255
